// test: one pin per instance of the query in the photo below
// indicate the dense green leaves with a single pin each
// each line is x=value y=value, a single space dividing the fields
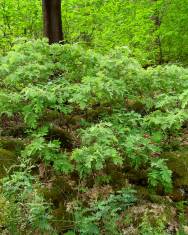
x=155 y=31
x=125 y=135
x=90 y=121
x=103 y=215
x=19 y=19
x=87 y=115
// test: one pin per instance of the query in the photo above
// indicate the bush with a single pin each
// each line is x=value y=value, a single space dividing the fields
x=81 y=112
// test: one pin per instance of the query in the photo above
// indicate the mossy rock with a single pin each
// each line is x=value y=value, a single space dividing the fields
x=59 y=189
x=154 y=212
x=59 y=192
x=137 y=177
x=11 y=144
x=58 y=133
x=7 y=159
x=63 y=219
x=178 y=163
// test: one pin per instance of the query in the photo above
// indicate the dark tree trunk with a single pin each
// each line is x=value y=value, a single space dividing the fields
x=157 y=22
x=52 y=20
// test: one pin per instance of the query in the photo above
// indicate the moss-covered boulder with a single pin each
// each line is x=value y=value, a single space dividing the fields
x=7 y=159
x=177 y=161
x=149 y=217
x=12 y=144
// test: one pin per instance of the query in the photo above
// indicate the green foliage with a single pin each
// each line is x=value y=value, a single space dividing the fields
x=151 y=29
x=49 y=152
x=19 y=19
x=27 y=209
x=140 y=148
x=99 y=145
x=124 y=135
x=103 y=215
x=182 y=217
x=146 y=228
x=160 y=174
x=173 y=30
x=84 y=115
x=90 y=116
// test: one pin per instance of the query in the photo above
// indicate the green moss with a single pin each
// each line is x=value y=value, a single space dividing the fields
x=59 y=193
x=58 y=190
x=11 y=144
x=3 y=211
x=63 y=220
x=7 y=159
x=154 y=212
x=178 y=163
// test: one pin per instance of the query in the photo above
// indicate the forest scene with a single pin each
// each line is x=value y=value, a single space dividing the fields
x=94 y=117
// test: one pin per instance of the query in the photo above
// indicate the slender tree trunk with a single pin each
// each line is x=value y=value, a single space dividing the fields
x=52 y=20
x=157 y=21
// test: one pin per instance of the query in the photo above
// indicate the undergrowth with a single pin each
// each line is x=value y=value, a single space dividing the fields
x=84 y=115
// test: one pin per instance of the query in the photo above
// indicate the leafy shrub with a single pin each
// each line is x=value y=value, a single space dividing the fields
x=103 y=215
x=99 y=145
x=81 y=112
x=68 y=79
x=27 y=210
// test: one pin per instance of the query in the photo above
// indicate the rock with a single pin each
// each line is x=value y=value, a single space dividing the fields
x=12 y=144
x=185 y=228
x=61 y=134
x=154 y=212
x=177 y=162
x=7 y=159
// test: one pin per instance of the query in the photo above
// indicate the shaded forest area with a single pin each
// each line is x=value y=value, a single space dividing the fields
x=94 y=117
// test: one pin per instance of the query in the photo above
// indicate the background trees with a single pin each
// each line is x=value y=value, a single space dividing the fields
x=103 y=25
x=19 y=19
x=93 y=140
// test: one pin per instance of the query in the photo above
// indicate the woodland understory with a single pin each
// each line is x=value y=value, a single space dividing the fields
x=94 y=130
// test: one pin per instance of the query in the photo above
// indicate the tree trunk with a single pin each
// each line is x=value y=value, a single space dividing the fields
x=52 y=20
x=157 y=22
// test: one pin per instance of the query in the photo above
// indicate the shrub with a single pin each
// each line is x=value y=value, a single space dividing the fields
x=81 y=112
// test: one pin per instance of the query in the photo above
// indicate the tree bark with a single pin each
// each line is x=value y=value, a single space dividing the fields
x=157 y=22
x=52 y=20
